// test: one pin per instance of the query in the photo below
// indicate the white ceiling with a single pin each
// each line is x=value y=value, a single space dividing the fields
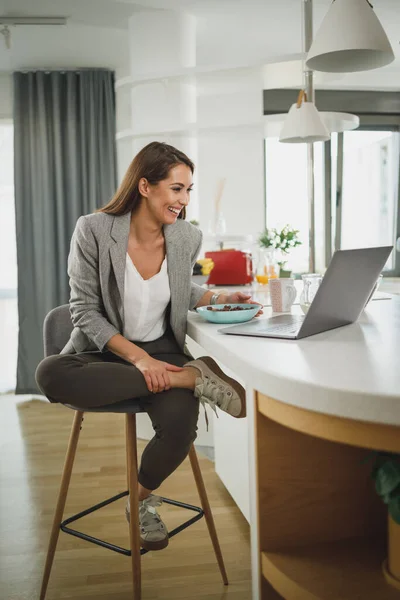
x=228 y=32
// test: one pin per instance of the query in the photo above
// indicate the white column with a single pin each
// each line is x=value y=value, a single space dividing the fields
x=163 y=93
x=161 y=42
x=159 y=104
x=231 y=147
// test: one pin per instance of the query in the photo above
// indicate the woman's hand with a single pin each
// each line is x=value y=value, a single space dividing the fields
x=155 y=373
x=238 y=298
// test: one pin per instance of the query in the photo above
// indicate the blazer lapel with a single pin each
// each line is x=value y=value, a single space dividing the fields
x=176 y=264
x=120 y=234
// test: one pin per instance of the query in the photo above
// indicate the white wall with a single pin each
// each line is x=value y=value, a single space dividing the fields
x=70 y=46
x=124 y=120
x=230 y=146
x=248 y=32
x=6 y=96
x=238 y=157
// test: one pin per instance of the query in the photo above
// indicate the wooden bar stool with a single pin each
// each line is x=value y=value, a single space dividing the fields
x=56 y=332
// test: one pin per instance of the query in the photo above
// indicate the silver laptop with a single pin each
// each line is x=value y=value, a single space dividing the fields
x=339 y=301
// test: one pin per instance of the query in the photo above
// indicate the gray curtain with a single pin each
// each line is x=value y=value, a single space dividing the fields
x=65 y=166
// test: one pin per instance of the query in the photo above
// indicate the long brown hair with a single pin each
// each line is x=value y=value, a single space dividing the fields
x=153 y=163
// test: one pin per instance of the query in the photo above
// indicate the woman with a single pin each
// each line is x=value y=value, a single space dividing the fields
x=130 y=268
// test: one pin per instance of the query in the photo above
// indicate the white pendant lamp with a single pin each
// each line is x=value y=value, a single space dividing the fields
x=303 y=123
x=335 y=122
x=339 y=121
x=351 y=38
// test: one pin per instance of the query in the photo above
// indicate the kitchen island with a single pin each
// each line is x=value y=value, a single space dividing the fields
x=316 y=408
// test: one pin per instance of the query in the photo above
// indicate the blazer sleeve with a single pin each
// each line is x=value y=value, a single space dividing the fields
x=196 y=291
x=85 y=304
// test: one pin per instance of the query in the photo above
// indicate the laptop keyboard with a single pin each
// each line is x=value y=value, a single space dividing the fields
x=291 y=327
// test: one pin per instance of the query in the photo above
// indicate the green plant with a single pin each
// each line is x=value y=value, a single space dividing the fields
x=194 y=222
x=267 y=238
x=386 y=474
x=284 y=240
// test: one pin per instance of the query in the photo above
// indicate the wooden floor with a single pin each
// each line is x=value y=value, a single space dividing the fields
x=33 y=440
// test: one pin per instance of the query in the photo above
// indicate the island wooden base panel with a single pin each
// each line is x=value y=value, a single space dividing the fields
x=346 y=570
x=393 y=581
x=393 y=566
x=322 y=527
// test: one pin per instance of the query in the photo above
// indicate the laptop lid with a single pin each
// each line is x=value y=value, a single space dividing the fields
x=345 y=289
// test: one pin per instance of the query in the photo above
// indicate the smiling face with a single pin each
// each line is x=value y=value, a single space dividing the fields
x=164 y=201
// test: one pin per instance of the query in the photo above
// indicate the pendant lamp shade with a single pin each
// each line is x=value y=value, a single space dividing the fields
x=338 y=121
x=303 y=124
x=335 y=122
x=351 y=38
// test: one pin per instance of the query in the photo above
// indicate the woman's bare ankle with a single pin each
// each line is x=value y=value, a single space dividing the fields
x=184 y=379
x=143 y=492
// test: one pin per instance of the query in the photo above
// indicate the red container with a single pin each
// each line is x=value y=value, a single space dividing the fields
x=231 y=267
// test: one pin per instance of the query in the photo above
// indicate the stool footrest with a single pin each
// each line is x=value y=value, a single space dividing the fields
x=127 y=552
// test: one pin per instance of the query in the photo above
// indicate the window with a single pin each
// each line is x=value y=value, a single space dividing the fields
x=359 y=208
x=287 y=197
x=8 y=262
x=369 y=199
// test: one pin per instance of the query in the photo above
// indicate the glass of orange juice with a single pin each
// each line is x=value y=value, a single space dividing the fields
x=266 y=267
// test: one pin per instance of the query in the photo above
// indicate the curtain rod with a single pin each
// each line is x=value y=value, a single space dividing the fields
x=47 y=70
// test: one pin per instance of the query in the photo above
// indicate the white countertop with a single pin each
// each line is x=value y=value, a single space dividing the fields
x=352 y=371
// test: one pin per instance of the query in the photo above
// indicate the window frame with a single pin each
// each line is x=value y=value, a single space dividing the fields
x=367 y=123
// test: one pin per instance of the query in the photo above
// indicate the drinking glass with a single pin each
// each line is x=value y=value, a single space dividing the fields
x=374 y=289
x=266 y=266
x=311 y=283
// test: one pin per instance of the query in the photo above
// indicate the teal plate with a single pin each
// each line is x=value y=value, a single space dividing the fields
x=229 y=316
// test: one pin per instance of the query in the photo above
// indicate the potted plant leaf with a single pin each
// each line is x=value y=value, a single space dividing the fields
x=386 y=474
x=282 y=241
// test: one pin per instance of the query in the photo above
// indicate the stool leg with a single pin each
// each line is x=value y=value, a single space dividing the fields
x=207 y=511
x=62 y=497
x=132 y=467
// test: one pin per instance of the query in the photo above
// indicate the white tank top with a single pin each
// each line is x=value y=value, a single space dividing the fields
x=145 y=303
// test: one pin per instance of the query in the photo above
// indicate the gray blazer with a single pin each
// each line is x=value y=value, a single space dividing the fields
x=96 y=268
